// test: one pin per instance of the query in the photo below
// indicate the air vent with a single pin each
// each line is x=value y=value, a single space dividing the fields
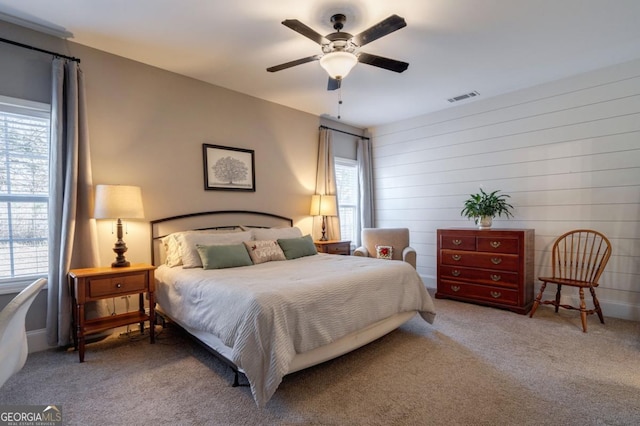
x=463 y=97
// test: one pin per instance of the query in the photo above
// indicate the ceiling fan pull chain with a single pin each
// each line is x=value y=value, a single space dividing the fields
x=339 y=100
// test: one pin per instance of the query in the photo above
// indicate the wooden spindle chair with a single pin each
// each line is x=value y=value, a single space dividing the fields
x=578 y=258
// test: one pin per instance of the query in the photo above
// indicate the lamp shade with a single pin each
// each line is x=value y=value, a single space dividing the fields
x=324 y=205
x=118 y=202
x=338 y=64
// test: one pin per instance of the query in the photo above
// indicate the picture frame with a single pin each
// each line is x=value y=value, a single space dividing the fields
x=228 y=169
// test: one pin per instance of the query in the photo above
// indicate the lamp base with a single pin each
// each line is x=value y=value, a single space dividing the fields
x=324 y=229
x=119 y=249
x=120 y=261
x=120 y=264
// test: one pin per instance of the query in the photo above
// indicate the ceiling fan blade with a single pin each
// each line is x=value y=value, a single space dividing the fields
x=306 y=31
x=381 y=62
x=381 y=29
x=294 y=63
x=333 y=84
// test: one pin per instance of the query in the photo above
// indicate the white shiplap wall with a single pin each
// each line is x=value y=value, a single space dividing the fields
x=567 y=152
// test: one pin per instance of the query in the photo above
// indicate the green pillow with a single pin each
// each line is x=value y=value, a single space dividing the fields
x=294 y=248
x=223 y=256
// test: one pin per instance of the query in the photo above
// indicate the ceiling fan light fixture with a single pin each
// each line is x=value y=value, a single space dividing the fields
x=338 y=64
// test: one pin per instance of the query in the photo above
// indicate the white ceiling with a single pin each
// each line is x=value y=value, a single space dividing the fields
x=453 y=46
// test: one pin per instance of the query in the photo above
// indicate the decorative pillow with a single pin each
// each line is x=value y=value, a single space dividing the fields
x=294 y=248
x=223 y=256
x=276 y=233
x=384 y=252
x=188 y=242
x=171 y=250
x=264 y=251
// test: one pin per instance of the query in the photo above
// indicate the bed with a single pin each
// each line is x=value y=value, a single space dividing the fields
x=268 y=318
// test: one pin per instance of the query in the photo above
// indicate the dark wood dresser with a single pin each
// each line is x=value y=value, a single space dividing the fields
x=491 y=267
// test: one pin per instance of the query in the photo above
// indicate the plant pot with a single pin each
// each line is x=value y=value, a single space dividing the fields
x=485 y=222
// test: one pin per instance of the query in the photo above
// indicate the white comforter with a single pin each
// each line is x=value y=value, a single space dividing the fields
x=269 y=312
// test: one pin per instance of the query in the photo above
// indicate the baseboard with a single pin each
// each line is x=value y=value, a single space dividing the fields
x=37 y=339
x=610 y=308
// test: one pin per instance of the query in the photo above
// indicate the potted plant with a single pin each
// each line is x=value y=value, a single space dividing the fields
x=483 y=207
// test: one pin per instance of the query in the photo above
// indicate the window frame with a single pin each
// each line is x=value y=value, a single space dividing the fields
x=37 y=110
x=342 y=161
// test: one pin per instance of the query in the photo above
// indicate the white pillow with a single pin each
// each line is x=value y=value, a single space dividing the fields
x=171 y=244
x=188 y=242
x=276 y=233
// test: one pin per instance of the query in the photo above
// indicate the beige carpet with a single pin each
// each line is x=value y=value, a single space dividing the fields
x=474 y=366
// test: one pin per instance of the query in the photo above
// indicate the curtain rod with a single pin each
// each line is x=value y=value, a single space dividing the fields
x=342 y=131
x=48 y=52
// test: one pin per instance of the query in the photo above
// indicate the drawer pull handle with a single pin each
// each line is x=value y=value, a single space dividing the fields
x=118 y=285
x=457 y=242
x=496 y=260
x=495 y=294
x=495 y=244
x=455 y=273
x=495 y=277
x=456 y=257
x=455 y=288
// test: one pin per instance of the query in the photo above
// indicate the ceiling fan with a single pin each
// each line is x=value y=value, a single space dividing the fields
x=340 y=50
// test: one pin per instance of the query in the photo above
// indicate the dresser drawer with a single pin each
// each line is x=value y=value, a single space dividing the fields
x=457 y=242
x=503 y=262
x=498 y=245
x=481 y=276
x=479 y=292
x=100 y=287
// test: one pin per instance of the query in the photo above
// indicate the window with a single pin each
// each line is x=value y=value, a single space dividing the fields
x=348 y=197
x=24 y=188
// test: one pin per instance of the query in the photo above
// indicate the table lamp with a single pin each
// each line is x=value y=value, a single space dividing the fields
x=324 y=205
x=118 y=202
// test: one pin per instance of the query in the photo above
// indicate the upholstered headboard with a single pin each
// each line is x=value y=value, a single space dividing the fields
x=222 y=219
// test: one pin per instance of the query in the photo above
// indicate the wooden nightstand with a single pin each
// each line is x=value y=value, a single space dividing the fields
x=334 y=247
x=91 y=284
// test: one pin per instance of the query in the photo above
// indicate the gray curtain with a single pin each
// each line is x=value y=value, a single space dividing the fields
x=326 y=185
x=365 y=177
x=72 y=232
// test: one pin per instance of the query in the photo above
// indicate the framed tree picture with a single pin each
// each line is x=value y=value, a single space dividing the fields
x=228 y=169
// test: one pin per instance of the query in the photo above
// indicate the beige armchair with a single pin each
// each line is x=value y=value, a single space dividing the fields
x=398 y=238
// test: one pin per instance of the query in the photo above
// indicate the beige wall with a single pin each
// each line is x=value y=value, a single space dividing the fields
x=567 y=152
x=147 y=127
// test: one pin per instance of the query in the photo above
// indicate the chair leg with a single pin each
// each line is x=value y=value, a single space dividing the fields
x=596 y=303
x=557 y=304
x=536 y=302
x=583 y=311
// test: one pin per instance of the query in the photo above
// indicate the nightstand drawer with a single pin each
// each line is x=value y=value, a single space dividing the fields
x=101 y=287
x=338 y=249
x=334 y=247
